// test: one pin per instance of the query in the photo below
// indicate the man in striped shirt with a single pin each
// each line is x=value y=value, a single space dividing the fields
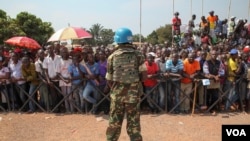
x=174 y=69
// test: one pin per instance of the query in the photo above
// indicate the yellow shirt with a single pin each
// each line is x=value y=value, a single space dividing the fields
x=212 y=21
x=232 y=66
x=30 y=74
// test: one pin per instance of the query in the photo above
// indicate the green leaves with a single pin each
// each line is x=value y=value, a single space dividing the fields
x=25 y=24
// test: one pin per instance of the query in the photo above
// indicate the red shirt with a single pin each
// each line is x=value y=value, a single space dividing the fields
x=248 y=60
x=6 y=54
x=153 y=69
x=205 y=39
x=177 y=21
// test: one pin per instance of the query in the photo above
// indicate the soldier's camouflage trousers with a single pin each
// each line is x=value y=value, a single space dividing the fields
x=116 y=115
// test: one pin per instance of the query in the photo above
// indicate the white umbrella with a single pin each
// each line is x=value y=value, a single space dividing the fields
x=70 y=33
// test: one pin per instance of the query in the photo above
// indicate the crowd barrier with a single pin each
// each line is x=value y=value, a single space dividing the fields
x=196 y=84
x=3 y=90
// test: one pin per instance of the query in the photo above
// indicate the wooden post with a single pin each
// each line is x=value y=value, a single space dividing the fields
x=195 y=91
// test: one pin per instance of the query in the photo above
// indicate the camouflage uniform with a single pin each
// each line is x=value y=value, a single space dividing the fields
x=124 y=66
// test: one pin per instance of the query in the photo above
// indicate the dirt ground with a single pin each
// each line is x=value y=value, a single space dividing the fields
x=87 y=127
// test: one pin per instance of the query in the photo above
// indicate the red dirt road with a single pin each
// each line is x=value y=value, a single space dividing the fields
x=82 y=127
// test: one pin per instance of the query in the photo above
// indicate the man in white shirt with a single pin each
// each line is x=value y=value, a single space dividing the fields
x=17 y=79
x=43 y=90
x=49 y=65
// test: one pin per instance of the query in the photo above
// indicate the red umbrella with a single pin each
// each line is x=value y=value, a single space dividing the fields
x=70 y=33
x=22 y=41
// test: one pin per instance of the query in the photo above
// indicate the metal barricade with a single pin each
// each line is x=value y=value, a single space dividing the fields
x=4 y=91
x=30 y=97
x=151 y=100
x=166 y=94
x=225 y=95
x=105 y=96
x=65 y=97
x=186 y=96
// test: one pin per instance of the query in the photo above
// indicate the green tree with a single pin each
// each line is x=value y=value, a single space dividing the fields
x=153 y=38
x=8 y=27
x=136 y=38
x=106 y=36
x=160 y=35
x=95 y=30
x=34 y=27
x=164 y=33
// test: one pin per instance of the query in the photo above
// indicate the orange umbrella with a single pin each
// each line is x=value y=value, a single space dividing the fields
x=23 y=41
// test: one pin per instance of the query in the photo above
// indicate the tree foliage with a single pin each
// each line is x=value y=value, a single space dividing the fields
x=95 y=30
x=101 y=35
x=160 y=35
x=8 y=27
x=107 y=36
x=136 y=38
x=24 y=24
x=153 y=38
x=34 y=27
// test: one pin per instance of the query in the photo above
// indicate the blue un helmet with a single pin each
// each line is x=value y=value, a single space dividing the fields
x=123 y=35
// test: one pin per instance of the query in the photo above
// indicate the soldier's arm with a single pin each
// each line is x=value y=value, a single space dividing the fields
x=109 y=74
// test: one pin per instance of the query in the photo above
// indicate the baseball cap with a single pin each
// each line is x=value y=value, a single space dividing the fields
x=233 y=51
x=77 y=49
x=233 y=17
x=246 y=49
x=152 y=54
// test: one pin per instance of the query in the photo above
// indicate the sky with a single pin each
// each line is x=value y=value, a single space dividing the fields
x=113 y=14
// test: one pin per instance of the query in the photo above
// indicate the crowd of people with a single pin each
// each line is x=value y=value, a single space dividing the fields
x=59 y=79
x=54 y=75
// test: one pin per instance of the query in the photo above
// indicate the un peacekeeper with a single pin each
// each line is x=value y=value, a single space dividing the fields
x=125 y=72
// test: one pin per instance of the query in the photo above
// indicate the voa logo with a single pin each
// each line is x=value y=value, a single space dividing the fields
x=236 y=132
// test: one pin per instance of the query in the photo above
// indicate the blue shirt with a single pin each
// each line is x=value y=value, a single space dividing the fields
x=95 y=70
x=218 y=28
x=174 y=68
x=75 y=71
x=103 y=71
